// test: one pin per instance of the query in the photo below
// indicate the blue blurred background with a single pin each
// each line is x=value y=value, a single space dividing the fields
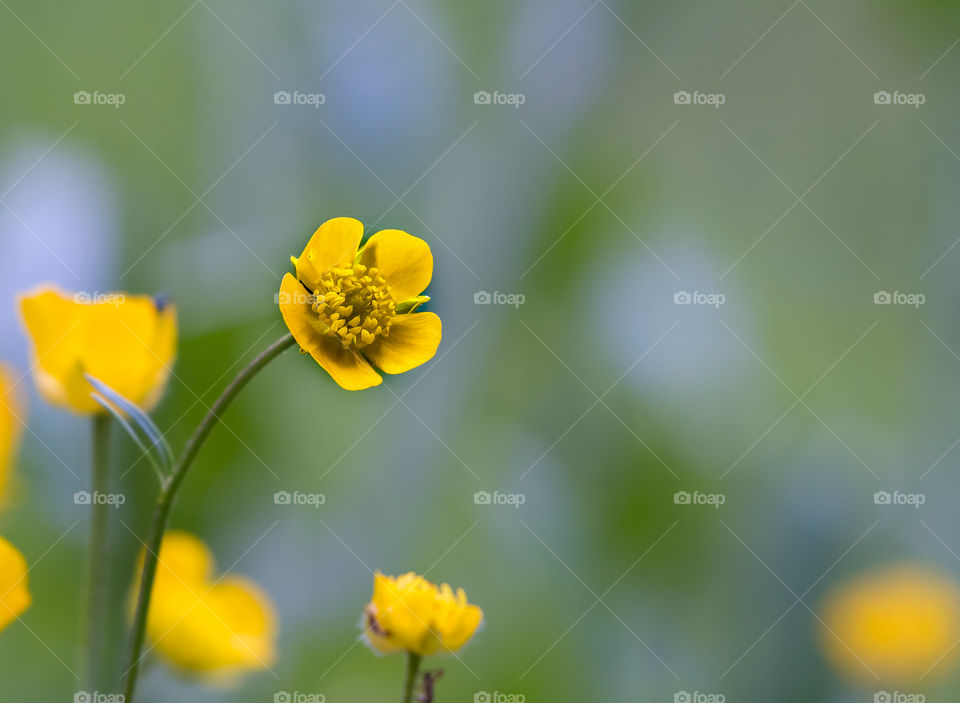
x=696 y=208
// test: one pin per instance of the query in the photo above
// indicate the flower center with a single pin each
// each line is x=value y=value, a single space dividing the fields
x=356 y=304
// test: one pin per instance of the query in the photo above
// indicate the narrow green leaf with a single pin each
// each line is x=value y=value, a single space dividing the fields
x=141 y=419
x=113 y=410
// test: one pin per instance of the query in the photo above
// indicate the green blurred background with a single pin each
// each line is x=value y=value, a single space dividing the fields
x=599 y=199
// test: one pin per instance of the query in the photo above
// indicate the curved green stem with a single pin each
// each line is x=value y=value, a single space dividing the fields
x=98 y=567
x=168 y=494
x=413 y=668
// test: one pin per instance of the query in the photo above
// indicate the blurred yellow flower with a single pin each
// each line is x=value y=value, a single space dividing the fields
x=408 y=613
x=353 y=310
x=900 y=623
x=11 y=427
x=128 y=342
x=218 y=627
x=14 y=596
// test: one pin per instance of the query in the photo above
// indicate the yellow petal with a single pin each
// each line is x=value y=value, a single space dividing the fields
x=333 y=244
x=186 y=558
x=128 y=342
x=14 y=595
x=404 y=260
x=413 y=340
x=347 y=368
x=12 y=417
x=217 y=628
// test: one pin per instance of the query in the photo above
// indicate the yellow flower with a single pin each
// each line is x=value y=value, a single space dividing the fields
x=408 y=613
x=898 y=622
x=11 y=427
x=353 y=310
x=128 y=342
x=14 y=596
x=218 y=628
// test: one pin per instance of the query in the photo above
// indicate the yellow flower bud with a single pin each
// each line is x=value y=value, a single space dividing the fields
x=409 y=613
x=898 y=623
x=126 y=341
x=217 y=628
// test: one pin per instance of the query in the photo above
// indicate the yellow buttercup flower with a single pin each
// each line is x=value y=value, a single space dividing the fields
x=900 y=623
x=14 y=595
x=408 y=613
x=11 y=427
x=128 y=342
x=217 y=627
x=355 y=309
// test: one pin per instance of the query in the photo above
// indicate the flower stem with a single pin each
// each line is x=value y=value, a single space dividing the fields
x=98 y=567
x=168 y=494
x=413 y=667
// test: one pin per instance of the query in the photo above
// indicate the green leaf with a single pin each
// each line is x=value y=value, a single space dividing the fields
x=138 y=416
x=113 y=410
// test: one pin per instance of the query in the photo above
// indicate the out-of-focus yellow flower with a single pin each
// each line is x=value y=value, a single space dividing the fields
x=408 y=613
x=14 y=595
x=899 y=622
x=218 y=628
x=353 y=310
x=11 y=427
x=126 y=341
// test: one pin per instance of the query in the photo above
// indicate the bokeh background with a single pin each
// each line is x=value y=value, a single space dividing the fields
x=597 y=200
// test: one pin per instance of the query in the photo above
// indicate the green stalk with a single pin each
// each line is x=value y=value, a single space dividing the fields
x=98 y=568
x=413 y=668
x=168 y=494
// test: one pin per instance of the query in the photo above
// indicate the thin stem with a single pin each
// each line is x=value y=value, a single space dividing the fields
x=98 y=567
x=168 y=494
x=410 y=682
